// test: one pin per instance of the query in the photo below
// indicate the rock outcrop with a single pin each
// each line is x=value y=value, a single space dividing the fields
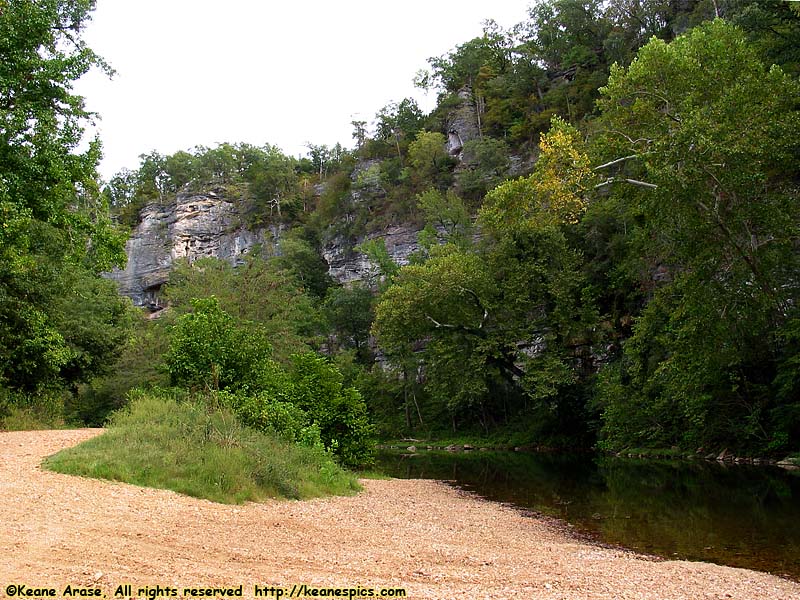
x=199 y=225
x=462 y=123
x=193 y=226
x=347 y=266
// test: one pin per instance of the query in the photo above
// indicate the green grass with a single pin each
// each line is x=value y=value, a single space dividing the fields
x=185 y=446
x=22 y=412
x=28 y=419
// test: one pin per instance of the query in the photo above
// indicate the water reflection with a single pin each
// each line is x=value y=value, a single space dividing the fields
x=739 y=515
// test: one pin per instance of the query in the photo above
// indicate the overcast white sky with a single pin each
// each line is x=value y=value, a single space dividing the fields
x=201 y=72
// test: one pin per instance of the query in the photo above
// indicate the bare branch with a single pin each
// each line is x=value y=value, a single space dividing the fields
x=644 y=184
x=479 y=303
x=619 y=160
x=440 y=325
x=615 y=162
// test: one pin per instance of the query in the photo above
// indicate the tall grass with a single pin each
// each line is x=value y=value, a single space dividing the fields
x=26 y=412
x=187 y=446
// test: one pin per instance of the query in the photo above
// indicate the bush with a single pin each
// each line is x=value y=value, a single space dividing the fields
x=210 y=350
x=267 y=414
x=26 y=412
x=339 y=411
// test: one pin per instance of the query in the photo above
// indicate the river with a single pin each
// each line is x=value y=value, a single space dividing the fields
x=737 y=515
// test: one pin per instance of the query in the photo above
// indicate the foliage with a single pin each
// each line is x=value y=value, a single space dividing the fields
x=184 y=445
x=376 y=251
x=478 y=326
x=463 y=66
x=429 y=161
x=720 y=212
x=265 y=182
x=139 y=366
x=639 y=282
x=21 y=411
x=568 y=33
x=299 y=255
x=259 y=293
x=445 y=215
x=484 y=163
x=55 y=233
x=396 y=124
x=339 y=411
x=209 y=350
x=349 y=311
x=554 y=194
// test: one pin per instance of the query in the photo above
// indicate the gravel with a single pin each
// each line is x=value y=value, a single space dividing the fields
x=423 y=536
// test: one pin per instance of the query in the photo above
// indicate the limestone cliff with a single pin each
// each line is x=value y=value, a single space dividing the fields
x=192 y=226
x=207 y=224
x=346 y=265
x=462 y=123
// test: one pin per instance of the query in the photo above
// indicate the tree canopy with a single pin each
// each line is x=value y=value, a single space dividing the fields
x=56 y=236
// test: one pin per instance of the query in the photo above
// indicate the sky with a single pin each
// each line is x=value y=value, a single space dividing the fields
x=199 y=73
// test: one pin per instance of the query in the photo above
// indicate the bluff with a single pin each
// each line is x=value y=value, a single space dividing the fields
x=190 y=226
x=207 y=224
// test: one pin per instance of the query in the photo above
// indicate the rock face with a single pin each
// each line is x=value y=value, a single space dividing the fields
x=462 y=123
x=199 y=225
x=348 y=266
x=194 y=226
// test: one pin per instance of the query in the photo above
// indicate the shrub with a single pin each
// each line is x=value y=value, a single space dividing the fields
x=210 y=350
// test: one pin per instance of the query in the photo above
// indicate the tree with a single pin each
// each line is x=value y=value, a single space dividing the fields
x=359 y=133
x=554 y=194
x=569 y=33
x=153 y=183
x=272 y=178
x=54 y=221
x=317 y=387
x=719 y=209
x=429 y=159
x=350 y=312
x=772 y=26
x=399 y=123
x=484 y=162
x=446 y=215
x=462 y=66
x=210 y=350
x=257 y=292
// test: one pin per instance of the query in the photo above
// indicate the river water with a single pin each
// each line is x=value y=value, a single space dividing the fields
x=737 y=515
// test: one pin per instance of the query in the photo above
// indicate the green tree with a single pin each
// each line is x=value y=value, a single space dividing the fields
x=445 y=215
x=429 y=160
x=339 y=411
x=719 y=214
x=257 y=292
x=569 y=33
x=398 y=124
x=54 y=221
x=209 y=350
x=273 y=181
x=462 y=67
x=349 y=312
x=484 y=163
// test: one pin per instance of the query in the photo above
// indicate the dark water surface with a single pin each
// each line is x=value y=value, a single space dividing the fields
x=738 y=515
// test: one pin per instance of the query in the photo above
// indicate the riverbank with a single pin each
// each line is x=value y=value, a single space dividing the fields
x=789 y=462
x=423 y=536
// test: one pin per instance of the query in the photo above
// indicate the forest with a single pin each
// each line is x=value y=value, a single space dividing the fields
x=610 y=261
